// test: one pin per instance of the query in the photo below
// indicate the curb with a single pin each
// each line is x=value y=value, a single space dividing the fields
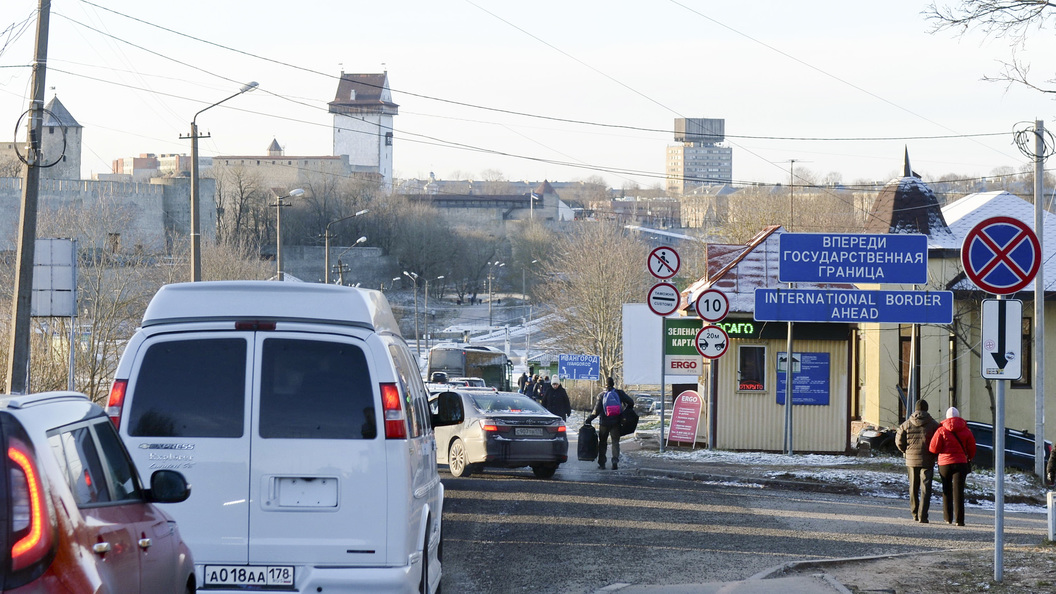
x=790 y=485
x=801 y=485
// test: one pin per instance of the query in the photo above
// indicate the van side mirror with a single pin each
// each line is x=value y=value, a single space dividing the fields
x=168 y=486
x=448 y=410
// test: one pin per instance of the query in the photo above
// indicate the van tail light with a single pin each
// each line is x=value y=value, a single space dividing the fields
x=31 y=530
x=116 y=401
x=395 y=421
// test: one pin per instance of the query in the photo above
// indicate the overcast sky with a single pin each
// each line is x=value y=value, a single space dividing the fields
x=558 y=90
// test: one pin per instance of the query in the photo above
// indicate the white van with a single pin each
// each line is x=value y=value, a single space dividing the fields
x=296 y=412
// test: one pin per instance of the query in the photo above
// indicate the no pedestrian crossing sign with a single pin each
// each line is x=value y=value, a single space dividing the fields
x=1001 y=255
x=664 y=262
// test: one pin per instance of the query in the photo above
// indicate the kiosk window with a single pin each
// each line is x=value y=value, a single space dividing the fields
x=751 y=368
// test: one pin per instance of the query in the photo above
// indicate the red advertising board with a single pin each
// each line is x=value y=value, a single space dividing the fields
x=685 y=417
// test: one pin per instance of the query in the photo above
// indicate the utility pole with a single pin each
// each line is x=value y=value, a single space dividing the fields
x=1039 y=303
x=18 y=368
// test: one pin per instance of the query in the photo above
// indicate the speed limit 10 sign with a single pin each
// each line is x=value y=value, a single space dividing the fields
x=712 y=305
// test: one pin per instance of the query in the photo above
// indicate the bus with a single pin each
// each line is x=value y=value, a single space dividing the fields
x=467 y=360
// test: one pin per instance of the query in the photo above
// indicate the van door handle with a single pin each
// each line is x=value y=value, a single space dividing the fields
x=101 y=547
x=144 y=543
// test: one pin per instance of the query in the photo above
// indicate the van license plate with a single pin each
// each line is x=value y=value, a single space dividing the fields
x=249 y=575
x=529 y=431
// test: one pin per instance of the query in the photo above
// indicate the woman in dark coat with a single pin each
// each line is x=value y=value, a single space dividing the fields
x=955 y=446
x=556 y=400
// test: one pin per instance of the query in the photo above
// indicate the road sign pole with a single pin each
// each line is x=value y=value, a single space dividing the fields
x=663 y=378
x=788 y=391
x=999 y=474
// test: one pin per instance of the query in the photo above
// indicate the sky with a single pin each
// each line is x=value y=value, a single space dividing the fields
x=537 y=90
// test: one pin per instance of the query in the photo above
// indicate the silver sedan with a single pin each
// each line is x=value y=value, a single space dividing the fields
x=499 y=429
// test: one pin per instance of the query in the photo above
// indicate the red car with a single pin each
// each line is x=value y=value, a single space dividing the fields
x=73 y=516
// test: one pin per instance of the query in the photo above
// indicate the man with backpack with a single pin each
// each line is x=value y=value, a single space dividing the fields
x=610 y=406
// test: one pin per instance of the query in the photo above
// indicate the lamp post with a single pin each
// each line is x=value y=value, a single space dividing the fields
x=341 y=267
x=278 y=230
x=491 y=266
x=417 y=341
x=196 y=236
x=524 y=284
x=326 y=243
x=427 y=311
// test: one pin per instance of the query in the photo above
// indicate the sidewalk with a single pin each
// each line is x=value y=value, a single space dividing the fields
x=829 y=474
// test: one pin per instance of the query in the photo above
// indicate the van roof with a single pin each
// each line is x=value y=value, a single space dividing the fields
x=270 y=300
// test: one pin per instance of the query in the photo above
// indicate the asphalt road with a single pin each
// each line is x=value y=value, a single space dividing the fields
x=506 y=531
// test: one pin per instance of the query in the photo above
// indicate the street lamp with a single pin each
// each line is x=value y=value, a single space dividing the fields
x=278 y=230
x=326 y=243
x=427 y=311
x=491 y=266
x=341 y=267
x=417 y=343
x=196 y=236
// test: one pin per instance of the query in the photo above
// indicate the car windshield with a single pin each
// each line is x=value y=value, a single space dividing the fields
x=507 y=403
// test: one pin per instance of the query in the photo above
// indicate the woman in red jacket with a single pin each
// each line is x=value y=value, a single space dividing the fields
x=955 y=446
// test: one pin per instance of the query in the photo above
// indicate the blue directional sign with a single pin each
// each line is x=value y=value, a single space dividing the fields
x=853 y=306
x=579 y=367
x=853 y=258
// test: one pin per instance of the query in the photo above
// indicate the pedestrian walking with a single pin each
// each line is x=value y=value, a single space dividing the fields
x=913 y=439
x=521 y=381
x=529 y=388
x=556 y=400
x=611 y=404
x=542 y=388
x=955 y=446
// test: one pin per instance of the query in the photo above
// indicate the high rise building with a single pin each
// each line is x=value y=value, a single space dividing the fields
x=699 y=159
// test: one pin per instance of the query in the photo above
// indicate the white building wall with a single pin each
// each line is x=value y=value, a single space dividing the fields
x=363 y=139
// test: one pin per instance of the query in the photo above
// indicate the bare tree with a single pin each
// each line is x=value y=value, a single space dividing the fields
x=10 y=166
x=241 y=205
x=494 y=183
x=1013 y=20
x=529 y=245
x=588 y=280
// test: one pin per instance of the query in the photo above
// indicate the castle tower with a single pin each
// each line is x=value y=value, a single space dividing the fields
x=363 y=112
x=66 y=151
x=274 y=150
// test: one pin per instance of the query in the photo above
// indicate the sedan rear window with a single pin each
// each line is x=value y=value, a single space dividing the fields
x=190 y=388
x=507 y=403
x=313 y=389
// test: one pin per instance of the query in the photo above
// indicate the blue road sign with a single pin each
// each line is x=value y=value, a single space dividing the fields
x=579 y=367
x=853 y=306
x=853 y=258
x=1001 y=255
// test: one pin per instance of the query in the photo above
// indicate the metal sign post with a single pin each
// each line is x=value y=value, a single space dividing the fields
x=1001 y=255
x=663 y=299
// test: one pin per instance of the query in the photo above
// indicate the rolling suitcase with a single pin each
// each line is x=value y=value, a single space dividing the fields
x=588 y=443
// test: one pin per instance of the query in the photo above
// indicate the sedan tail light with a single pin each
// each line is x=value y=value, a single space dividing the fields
x=31 y=527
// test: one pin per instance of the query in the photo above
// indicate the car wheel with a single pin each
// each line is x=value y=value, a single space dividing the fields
x=456 y=459
x=544 y=471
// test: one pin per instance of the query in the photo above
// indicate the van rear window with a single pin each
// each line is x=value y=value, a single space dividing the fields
x=313 y=389
x=190 y=388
